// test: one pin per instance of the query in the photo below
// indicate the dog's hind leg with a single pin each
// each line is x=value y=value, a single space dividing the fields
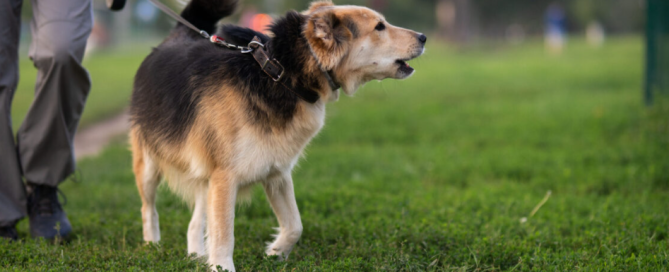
x=198 y=225
x=221 y=198
x=147 y=178
x=281 y=195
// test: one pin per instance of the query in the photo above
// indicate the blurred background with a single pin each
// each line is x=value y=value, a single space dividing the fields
x=457 y=21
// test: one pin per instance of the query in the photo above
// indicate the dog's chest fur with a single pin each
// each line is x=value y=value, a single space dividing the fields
x=257 y=156
x=256 y=153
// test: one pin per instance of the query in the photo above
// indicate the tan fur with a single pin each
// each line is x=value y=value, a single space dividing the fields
x=328 y=43
x=224 y=152
x=318 y=4
x=147 y=178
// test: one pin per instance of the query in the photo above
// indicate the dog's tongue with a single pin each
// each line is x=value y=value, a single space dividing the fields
x=403 y=63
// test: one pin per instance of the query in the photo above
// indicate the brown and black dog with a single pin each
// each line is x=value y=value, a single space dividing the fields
x=212 y=123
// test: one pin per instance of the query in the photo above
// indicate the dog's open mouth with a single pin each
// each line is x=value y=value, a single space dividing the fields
x=404 y=68
x=403 y=63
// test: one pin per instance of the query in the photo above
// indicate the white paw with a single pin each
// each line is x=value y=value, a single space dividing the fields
x=282 y=250
x=284 y=244
x=275 y=251
x=226 y=265
x=197 y=249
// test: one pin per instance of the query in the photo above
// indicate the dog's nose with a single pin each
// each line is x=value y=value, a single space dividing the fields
x=422 y=38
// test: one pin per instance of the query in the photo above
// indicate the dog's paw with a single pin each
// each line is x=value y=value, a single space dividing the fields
x=275 y=252
x=279 y=249
x=225 y=265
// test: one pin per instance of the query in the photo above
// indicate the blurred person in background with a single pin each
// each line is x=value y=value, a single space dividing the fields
x=595 y=34
x=43 y=153
x=555 y=28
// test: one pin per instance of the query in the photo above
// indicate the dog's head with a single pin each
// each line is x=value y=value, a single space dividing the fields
x=359 y=45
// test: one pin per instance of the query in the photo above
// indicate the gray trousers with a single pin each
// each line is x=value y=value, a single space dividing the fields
x=43 y=151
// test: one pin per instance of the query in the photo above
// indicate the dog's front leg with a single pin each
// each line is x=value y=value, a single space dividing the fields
x=220 y=219
x=282 y=198
x=197 y=226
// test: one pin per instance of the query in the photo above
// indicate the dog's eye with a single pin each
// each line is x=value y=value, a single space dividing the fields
x=380 y=26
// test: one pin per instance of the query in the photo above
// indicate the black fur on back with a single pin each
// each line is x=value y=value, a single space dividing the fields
x=204 y=14
x=172 y=80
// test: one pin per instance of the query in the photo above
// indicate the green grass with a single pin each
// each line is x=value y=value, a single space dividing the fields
x=111 y=72
x=432 y=174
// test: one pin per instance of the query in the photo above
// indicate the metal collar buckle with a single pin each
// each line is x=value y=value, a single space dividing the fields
x=277 y=63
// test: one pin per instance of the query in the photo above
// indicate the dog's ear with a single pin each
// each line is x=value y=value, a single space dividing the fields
x=328 y=37
x=318 y=4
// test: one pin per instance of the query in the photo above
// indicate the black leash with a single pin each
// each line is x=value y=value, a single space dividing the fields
x=177 y=17
x=214 y=39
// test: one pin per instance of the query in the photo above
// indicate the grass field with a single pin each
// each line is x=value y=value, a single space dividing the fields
x=433 y=173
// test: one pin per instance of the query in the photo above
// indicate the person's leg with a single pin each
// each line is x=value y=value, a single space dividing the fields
x=12 y=191
x=45 y=140
x=60 y=30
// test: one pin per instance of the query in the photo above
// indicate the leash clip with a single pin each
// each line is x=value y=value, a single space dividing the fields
x=204 y=34
x=246 y=50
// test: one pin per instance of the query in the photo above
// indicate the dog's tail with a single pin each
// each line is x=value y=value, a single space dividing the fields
x=204 y=14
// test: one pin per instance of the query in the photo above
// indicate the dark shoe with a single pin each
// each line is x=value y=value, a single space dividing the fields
x=47 y=218
x=9 y=233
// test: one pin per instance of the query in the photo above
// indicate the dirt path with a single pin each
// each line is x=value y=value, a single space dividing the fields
x=93 y=139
